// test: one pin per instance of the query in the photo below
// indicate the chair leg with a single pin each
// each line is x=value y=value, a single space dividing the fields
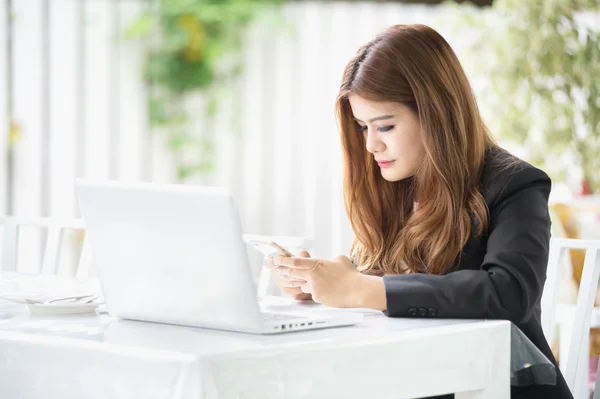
x=583 y=370
x=597 y=384
x=52 y=251
x=10 y=246
x=564 y=341
x=580 y=388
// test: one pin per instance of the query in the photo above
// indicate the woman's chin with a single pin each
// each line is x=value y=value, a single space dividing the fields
x=394 y=175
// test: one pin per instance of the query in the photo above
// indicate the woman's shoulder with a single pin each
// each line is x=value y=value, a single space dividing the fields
x=504 y=174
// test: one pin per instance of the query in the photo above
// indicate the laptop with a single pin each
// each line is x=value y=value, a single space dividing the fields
x=175 y=254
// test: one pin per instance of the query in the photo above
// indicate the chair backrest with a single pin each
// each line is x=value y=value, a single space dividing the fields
x=54 y=230
x=585 y=297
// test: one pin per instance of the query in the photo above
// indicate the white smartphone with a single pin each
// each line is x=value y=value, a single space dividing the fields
x=269 y=248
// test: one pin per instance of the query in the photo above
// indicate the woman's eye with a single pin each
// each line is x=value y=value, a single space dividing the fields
x=362 y=128
x=385 y=128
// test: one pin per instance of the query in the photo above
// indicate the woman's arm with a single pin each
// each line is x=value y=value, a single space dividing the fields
x=372 y=294
x=511 y=278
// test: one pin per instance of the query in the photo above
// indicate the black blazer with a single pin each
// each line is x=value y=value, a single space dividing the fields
x=500 y=275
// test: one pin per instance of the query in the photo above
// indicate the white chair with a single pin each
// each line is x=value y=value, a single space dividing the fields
x=574 y=346
x=54 y=229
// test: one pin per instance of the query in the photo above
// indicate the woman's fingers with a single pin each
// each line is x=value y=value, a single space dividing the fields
x=301 y=296
x=282 y=273
x=269 y=262
x=290 y=285
x=304 y=254
x=296 y=262
x=293 y=284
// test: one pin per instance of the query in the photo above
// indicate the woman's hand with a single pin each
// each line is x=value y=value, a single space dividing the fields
x=290 y=286
x=330 y=282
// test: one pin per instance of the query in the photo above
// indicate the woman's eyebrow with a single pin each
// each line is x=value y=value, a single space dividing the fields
x=377 y=118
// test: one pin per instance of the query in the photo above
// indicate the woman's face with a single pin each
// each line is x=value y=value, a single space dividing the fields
x=392 y=134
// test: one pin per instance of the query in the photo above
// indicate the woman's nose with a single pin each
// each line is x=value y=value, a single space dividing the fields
x=373 y=143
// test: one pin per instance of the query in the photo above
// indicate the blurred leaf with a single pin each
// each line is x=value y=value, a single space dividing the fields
x=539 y=60
x=208 y=146
x=178 y=141
x=15 y=133
x=192 y=40
x=142 y=26
x=156 y=112
x=186 y=171
x=212 y=107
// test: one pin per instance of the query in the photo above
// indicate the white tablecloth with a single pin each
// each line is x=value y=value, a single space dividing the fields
x=97 y=356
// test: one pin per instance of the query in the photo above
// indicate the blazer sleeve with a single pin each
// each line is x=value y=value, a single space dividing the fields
x=509 y=283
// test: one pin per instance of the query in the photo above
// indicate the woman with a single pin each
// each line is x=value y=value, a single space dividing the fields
x=447 y=224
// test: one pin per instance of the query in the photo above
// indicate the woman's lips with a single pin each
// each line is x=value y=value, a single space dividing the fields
x=385 y=164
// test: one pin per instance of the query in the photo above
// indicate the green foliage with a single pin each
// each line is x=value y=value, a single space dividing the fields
x=195 y=50
x=541 y=63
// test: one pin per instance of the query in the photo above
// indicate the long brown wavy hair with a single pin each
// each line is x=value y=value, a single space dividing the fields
x=414 y=65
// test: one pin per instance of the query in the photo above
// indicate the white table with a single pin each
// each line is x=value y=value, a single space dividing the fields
x=97 y=356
